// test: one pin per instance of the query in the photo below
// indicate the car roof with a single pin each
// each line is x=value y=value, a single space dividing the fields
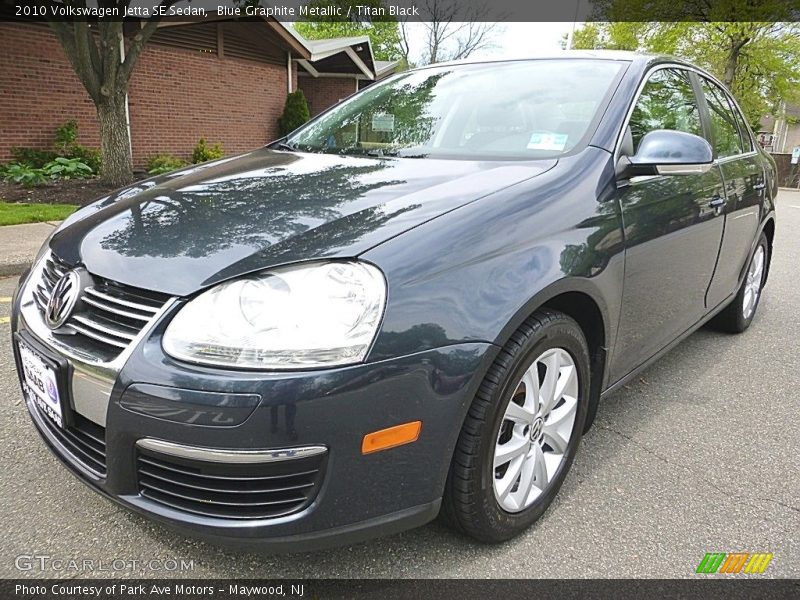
x=617 y=55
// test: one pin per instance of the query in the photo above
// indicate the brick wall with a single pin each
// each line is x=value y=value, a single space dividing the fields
x=39 y=91
x=176 y=96
x=324 y=92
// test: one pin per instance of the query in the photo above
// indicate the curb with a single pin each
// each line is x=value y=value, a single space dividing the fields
x=13 y=269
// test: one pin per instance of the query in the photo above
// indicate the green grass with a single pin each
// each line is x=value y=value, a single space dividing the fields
x=14 y=213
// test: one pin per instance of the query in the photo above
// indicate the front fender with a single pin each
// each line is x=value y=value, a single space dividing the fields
x=476 y=273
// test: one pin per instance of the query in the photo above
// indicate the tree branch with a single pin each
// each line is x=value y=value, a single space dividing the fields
x=138 y=42
x=75 y=45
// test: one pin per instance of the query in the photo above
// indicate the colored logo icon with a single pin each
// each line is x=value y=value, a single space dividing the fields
x=737 y=562
x=52 y=391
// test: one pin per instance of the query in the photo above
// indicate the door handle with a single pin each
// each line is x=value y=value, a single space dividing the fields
x=717 y=202
x=759 y=186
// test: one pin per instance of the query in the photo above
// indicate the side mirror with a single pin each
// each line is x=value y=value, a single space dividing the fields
x=667 y=152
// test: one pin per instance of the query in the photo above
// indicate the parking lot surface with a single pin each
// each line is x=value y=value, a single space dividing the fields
x=701 y=453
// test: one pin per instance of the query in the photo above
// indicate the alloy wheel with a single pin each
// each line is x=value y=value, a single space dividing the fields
x=752 y=286
x=536 y=430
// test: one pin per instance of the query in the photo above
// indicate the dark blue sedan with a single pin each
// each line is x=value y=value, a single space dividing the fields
x=411 y=305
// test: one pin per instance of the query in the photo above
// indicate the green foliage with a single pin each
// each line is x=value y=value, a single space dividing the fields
x=383 y=32
x=295 y=113
x=88 y=156
x=759 y=60
x=66 y=135
x=31 y=157
x=16 y=213
x=159 y=164
x=67 y=168
x=24 y=174
x=64 y=146
x=203 y=152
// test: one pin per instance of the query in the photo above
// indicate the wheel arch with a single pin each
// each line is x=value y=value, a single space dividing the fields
x=581 y=300
x=769 y=231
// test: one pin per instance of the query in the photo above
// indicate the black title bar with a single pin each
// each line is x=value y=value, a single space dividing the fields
x=405 y=10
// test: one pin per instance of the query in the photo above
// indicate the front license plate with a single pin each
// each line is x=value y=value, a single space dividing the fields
x=40 y=383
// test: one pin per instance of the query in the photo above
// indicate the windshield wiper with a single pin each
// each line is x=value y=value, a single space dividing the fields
x=285 y=146
x=397 y=153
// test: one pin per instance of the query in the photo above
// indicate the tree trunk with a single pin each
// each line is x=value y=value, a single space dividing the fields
x=115 y=145
x=732 y=61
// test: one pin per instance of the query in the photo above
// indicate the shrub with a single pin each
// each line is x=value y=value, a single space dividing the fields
x=32 y=157
x=67 y=168
x=164 y=163
x=24 y=174
x=88 y=156
x=295 y=113
x=203 y=152
x=65 y=147
x=66 y=136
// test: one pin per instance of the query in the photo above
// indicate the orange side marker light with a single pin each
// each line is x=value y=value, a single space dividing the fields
x=391 y=437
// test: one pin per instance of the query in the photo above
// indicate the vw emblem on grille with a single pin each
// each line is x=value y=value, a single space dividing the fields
x=62 y=300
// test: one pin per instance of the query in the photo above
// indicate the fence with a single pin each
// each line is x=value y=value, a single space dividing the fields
x=788 y=174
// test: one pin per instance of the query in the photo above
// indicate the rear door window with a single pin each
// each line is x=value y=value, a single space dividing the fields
x=725 y=131
x=747 y=141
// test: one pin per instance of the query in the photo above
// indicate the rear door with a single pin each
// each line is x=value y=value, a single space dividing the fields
x=744 y=180
x=673 y=228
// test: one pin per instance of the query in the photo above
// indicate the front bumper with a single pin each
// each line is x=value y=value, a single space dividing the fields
x=357 y=496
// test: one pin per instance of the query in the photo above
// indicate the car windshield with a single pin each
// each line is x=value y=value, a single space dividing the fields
x=508 y=110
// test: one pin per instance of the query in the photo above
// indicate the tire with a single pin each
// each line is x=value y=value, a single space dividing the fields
x=477 y=499
x=737 y=316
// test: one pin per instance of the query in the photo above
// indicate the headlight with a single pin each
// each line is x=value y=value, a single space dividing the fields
x=310 y=315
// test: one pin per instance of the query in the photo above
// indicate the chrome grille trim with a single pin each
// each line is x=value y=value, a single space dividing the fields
x=223 y=455
x=110 y=299
x=107 y=328
x=89 y=331
x=112 y=309
x=93 y=375
x=112 y=316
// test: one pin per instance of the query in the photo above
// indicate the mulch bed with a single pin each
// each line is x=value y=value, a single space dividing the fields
x=64 y=191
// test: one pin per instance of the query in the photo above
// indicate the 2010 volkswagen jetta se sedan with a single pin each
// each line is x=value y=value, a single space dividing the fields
x=414 y=302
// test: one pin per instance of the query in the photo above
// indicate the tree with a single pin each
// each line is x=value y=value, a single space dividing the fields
x=454 y=30
x=383 y=32
x=295 y=113
x=95 y=52
x=758 y=60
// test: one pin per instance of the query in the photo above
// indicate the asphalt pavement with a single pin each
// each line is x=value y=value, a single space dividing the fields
x=700 y=454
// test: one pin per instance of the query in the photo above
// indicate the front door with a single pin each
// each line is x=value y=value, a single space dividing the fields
x=673 y=227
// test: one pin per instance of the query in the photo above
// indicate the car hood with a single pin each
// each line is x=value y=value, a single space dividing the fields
x=180 y=233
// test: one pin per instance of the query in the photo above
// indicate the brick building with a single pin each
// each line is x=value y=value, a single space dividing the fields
x=224 y=81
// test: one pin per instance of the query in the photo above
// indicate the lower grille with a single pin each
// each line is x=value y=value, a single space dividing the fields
x=230 y=491
x=85 y=441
